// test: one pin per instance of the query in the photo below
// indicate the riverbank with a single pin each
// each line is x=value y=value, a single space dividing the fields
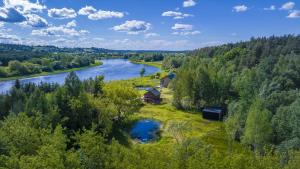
x=155 y=64
x=98 y=63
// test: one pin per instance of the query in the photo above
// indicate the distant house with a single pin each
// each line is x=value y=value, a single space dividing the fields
x=152 y=96
x=213 y=113
x=165 y=81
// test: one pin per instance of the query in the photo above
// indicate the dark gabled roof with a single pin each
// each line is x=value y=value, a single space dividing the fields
x=154 y=91
x=213 y=110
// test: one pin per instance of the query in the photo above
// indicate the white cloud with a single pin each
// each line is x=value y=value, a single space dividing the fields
x=294 y=14
x=99 y=39
x=155 y=44
x=83 y=32
x=63 y=13
x=189 y=3
x=240 y=8
x=182 y=27
x=7 y=38
x=60 y=40
x=22 y=11
x=133 y=27
x=87 y=10
x=186 y=33
x=176 y=15
x=35 y=21
x=25 y=6
x=149 y=35
x=184 y=30
x=71 y=24
x=271 y=8
x=288 y=6
x=105 y=15
x=11 y=15
x=58 y=31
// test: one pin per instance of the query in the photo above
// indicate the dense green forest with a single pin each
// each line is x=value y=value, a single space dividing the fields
x=19 y=60
x=258 y=81
x=82 y=124
x=79 y=124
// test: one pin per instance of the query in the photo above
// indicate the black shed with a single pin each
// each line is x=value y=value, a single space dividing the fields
x=213 y=113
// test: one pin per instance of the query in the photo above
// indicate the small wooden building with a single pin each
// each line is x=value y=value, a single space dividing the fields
x=213 y=113
x=152 y=96
x=165 y=81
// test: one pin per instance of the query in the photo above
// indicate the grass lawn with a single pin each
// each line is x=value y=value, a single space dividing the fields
x=210 y=132
x=197 y=127
x=155 y=64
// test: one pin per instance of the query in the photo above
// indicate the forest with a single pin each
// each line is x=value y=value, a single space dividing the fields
x=257 y=81
x=18 y=60
x=82 y=124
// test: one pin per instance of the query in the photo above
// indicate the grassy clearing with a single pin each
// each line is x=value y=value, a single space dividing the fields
x=210 y=132
x=155 y=64
x=197 y=127
x=98 y=63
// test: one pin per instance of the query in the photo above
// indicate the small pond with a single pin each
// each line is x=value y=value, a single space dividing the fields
x=145 y=130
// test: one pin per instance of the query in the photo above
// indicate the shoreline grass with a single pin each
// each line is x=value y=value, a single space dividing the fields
x=49 y=73
x=155 y=64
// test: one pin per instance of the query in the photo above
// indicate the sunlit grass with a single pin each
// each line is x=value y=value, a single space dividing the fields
x=210 y=132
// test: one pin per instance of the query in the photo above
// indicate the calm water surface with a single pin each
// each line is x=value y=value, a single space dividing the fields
x=112 y=69
x=145 y=130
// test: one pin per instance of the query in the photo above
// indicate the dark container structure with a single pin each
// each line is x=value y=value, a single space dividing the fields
x=214 y=113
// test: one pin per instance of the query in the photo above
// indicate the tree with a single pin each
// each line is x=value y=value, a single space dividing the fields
x=92 y=149
x=17 y=84
x=258 y=130
x=143 y=71
x=3 y=72
x=287 y=126
x=98 y=86
x=124 y=100
x=24 y=139
x=73 y=85
x=37 y=102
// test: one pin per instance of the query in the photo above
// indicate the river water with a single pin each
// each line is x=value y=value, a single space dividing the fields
x=112 y=69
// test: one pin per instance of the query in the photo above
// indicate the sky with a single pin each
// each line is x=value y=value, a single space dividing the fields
x=144 y=24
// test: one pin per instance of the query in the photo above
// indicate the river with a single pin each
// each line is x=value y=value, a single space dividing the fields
x=112 y=69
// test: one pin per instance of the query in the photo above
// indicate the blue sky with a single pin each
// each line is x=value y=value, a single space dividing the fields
x=144 y=24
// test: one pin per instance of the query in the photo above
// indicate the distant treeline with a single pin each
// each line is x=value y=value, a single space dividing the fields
x=258 y=81
x=21 y=64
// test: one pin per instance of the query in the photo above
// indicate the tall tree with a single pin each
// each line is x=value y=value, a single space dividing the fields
x=258 y=130
x=143 y=71
x=73 y=84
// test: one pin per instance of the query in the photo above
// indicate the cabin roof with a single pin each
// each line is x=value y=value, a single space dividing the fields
x=154 y=91
x=213 y=110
